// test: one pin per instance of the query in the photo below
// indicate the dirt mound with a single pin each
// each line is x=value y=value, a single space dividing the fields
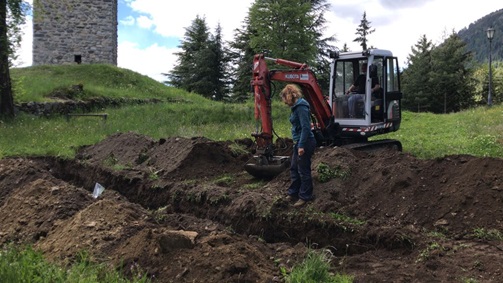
x=175 y=158
x=184 y=210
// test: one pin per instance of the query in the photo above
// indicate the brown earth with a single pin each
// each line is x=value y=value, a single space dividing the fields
x=184 y=210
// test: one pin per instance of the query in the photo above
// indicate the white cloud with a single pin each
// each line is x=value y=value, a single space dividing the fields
x=171 y=21
x=128 y=21
x=151 y=61
x=398 y=4
x=145 y=22
x=399 y=28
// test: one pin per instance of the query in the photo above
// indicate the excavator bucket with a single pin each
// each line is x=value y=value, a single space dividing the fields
x=262 y=168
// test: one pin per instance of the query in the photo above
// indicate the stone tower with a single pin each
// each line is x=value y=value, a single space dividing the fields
x=75 y=31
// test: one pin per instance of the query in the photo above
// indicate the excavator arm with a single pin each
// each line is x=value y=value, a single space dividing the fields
x=297 y=73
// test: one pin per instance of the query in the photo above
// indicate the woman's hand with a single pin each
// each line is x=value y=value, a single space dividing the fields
x=300 y=151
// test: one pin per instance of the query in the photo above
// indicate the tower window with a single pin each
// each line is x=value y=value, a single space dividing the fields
x=78 y=59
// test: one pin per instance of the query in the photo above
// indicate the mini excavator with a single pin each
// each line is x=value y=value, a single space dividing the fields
x=333 y=123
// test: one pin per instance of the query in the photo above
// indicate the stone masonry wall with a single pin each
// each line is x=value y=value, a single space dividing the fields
x=65 y=31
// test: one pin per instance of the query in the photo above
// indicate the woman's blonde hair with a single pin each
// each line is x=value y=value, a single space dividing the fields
x=291 y=92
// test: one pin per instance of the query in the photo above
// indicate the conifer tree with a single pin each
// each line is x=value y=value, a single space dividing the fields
x=286 y=29
x=439 y=78
x=282 y=29
x=451 y=76
x=321 y=65
x=242 y=57
x=219 y=62
x=415 y=79
x=203 y=62
x=363 y=30
x=195 y=40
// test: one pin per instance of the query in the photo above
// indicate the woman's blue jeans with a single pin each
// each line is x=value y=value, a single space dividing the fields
x=300 y=171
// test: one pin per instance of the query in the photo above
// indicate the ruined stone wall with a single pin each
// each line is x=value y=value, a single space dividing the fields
x=68 y=31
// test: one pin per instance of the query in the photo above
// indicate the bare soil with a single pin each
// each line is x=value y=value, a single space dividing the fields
x=184 y=210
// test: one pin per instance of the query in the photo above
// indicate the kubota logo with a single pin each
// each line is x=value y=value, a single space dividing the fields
x=302 y=77
x=291 y=76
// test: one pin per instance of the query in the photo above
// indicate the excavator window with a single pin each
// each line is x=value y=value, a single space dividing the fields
x=344 y=77
x=392 y=75
x=353 y=104
x=347 y=72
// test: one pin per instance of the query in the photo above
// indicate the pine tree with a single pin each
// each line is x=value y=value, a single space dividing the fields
x=242 y=58
x=363 y=30
x=345 y=48
x=451 y=76
x=203 y=63
x=283 y=29
x=219 y=66
x=415 y=79
x=439 y=78
x=321 y=65
x=186 y=73
x=195 y=40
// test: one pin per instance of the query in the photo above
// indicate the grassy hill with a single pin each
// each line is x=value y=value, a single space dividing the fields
x=477 y=131
x=38 y=83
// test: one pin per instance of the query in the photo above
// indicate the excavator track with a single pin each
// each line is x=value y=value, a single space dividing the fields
x=376 y=145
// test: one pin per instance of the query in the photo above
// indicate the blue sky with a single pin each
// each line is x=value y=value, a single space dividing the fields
x=149 y=31
x=130 y=29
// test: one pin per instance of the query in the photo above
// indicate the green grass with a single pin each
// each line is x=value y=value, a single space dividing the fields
x=426 y=253
x=29 y=135
x=315 y=269
x=28 y=265
x=477 y=132
x=326 y=173
x=183 y=114
x=489 y=235
x=346 y=219
x=99 y=80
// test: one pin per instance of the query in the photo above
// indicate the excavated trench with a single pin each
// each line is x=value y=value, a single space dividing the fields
x=246 y=214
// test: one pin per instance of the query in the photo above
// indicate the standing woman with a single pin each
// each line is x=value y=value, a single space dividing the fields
x=301 y=188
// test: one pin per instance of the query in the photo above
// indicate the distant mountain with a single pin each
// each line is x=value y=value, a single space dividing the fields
x=476 y=40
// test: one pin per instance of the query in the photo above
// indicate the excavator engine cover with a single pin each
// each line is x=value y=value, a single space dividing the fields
x=263 y=168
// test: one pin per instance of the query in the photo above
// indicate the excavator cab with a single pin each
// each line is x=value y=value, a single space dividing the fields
x=374 y=108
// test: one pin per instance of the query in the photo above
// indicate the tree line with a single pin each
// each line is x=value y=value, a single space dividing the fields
x=438 y=79
x=446 y=78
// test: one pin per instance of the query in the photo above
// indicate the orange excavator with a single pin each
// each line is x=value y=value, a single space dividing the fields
x=339 y=117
